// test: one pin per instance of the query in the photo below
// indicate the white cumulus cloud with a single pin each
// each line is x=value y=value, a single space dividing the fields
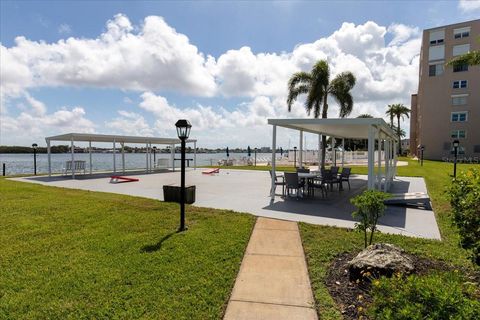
x=154 y=60
x=469 y=6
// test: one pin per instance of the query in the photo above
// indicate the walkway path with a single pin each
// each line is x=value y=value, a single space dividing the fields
x=273 y=281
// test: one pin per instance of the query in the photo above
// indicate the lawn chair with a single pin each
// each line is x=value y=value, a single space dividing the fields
x=279 y=181
x=334 y=171
x=319 y=183
x=291 y=182
x=345 y=176
x=328 y=178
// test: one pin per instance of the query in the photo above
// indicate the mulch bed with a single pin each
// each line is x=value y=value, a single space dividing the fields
x=351 y=297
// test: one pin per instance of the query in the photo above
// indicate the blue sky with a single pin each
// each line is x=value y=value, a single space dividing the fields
x=235 y=59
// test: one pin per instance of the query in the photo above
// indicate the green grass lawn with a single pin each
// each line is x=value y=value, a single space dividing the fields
x=77 y=254
x=322 y=244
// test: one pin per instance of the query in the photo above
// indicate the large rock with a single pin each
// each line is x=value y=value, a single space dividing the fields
x=381 y=259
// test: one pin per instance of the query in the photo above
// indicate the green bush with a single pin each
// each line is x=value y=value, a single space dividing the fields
x=435 y=296
x=465 y=201
x=370 y=207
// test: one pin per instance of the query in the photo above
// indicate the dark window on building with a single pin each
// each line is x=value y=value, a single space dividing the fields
x=460 y=84
x=434 y=42
x=462 y=35
x=460 y=67
x=476 y=149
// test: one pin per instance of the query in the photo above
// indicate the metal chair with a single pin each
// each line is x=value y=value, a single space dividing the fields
x=291 y=181
x=279 y=183
x=345 y=176
x=334 y=171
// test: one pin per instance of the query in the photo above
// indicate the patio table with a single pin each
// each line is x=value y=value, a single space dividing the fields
x=309 y=176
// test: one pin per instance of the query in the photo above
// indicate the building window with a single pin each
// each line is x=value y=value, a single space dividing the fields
x=460 y=84
x=459 y=116
x=435 y=69
x=461 y=33
x=476 y=148
x=458 y=134
x=460 y=68
x=434 y=42
x=437 y=37
x=436 y=53
x=459 y=100
x=461 y=49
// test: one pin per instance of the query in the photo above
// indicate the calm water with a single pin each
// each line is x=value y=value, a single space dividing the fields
x=23 y=163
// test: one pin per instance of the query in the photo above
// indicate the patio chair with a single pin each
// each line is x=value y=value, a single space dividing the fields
x=291 y=182
x=328 y=178
x=319 y=183
x=334 y=171
x=345 y=176
x=279 y=181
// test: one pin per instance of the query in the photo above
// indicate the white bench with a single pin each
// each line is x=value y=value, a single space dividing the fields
x=79 y=165
x=163 y=163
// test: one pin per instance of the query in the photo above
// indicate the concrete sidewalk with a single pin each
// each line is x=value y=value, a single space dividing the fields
x=273 y=281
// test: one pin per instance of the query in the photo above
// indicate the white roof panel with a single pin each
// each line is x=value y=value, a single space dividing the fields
x=86 y=137
x=355 y=128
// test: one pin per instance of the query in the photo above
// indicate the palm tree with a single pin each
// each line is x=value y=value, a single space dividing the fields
x=365 y=115
x=398 y=110
x=317 y=86
x=391 y=112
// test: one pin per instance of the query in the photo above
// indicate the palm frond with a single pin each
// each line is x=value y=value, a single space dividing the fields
x=365 y=115
x=298 y=84
x=340 y=88
x=321 y=73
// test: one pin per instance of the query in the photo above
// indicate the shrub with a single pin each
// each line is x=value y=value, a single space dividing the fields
x=465 y=201
x=370 y=207
x=435 y=296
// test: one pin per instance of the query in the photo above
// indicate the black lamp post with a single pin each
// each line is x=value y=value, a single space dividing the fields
x=183 y=131
x=34 y=146
x=255 y=156
x=249 y=151
x=456 y=143
x=421 y=147
x=294 y=157
x=154 y=158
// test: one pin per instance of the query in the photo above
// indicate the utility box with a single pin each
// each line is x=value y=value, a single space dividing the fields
x=172 y=193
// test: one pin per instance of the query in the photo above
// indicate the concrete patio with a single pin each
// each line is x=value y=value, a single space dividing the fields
x=248 y=191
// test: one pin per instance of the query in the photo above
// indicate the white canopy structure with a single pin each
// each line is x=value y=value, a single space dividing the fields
x=357 y=128
x=114 y=139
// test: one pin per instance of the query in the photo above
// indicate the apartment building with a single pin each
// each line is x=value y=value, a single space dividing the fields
x=447 y=105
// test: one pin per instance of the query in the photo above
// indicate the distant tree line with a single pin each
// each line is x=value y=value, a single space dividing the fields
x=22 y=149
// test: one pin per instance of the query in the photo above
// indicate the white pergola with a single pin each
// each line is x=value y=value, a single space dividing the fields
x=122 y=140
x=358 y=128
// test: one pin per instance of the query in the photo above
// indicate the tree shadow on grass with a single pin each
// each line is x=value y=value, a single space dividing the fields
x=157 y=246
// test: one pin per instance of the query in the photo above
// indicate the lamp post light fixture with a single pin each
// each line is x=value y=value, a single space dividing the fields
x=154 y=158
x=34 y=146
x=183 y=131
x=255 y=156
x=456 y=144
x=294 y=157
x=421 y=148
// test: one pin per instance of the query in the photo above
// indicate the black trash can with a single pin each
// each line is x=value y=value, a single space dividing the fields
x=171 y=193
